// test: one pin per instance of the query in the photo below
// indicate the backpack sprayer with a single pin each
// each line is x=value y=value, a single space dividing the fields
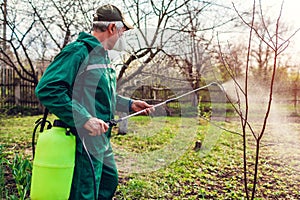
x=54 y=158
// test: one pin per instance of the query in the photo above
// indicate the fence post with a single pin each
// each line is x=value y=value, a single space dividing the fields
x=17 y=86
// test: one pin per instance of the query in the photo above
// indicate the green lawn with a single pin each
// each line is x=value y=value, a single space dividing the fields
x=157 y=160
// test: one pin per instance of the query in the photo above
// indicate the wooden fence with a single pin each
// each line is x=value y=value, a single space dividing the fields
x=16 y=92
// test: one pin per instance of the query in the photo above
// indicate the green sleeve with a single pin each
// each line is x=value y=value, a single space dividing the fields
x=123 y=104
x=54 y=90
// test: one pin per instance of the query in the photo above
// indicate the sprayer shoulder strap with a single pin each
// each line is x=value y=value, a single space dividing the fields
x=88 y=47
x=44 y=119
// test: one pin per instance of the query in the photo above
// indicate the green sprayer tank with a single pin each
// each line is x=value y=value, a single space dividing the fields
x=53 y=164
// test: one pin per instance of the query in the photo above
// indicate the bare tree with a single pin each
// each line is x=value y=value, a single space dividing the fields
x=65 y=17
x=42 y=28
x=151 y=41
x=17 y=56
x=175 y=29
x=194 y=51
x=36 y=30
x=275 y=43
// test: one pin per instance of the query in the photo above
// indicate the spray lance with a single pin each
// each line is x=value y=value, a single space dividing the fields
x=114 y=122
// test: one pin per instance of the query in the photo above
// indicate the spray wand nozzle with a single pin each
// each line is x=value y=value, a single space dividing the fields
x=114 y=122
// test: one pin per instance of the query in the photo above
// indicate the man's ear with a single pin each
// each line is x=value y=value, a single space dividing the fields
x=111 y=28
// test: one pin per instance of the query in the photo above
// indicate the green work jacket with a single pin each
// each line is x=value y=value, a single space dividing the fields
x=80 y=83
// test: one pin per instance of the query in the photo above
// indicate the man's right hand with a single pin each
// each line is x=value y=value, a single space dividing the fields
x=96 y=126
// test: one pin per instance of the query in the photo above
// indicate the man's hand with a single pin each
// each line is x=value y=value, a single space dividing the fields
x=96 y=126
x=138 y=105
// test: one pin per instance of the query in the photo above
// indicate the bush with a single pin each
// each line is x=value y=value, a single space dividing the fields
x=20 y=110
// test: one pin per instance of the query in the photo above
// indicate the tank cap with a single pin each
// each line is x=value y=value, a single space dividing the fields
x=59 y=123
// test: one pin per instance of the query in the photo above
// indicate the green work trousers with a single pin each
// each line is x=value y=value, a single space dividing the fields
x=106 y=174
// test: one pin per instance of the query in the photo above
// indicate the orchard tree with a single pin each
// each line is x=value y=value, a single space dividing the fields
x=275 y=41
x=174 y=28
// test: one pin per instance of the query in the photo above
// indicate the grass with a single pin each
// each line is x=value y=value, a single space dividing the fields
x=157 y=160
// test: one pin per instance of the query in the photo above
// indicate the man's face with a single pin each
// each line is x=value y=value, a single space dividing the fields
x=116 y=34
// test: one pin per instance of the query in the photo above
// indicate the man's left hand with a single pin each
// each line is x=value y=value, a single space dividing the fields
x=138 y=105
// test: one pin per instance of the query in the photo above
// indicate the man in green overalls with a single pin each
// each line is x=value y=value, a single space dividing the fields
x=79 y=87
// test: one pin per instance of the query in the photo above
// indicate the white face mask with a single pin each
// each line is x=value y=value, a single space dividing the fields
x=120 y=44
